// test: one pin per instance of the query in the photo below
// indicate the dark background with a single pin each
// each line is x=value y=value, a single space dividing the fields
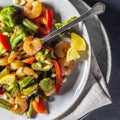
x=111 y=22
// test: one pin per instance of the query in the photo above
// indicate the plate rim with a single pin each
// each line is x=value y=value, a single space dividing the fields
x=109 y=53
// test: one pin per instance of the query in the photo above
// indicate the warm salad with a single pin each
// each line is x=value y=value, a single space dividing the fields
x=31 y=71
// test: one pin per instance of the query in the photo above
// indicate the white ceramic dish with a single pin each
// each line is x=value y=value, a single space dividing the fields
x=72 y=89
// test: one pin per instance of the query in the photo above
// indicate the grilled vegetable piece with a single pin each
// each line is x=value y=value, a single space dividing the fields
x=8 y=79
x=18 y=35
x=41 y=95
x=59 y=25
x=41 y=67
x=30 y=25
x=43 y=63
x=10 y=15
x=5 y=71
x=29 y=90
x=26 y=81
x=4 y=42
x=58 y=75
x=10 y=87
x=42 y=55
x=38 y=106
x=5 y=104
x=46 y=84
x=30 y=110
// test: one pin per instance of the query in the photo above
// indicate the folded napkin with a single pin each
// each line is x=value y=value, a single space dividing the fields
x=94 y=95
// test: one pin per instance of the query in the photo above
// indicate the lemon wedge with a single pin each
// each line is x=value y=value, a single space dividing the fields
x=78 y=42
x=72 y=54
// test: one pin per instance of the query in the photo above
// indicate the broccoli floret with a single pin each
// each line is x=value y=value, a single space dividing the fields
x=42 y=55
x=59 y=25
x=43 y=63
x=6 y=29
x=18 y=35
x=10 y=15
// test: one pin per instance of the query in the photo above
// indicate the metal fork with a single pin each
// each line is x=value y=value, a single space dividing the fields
x=97 y=9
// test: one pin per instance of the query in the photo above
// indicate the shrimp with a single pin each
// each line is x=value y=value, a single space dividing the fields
x=32 y=8
x=61 y=49
x=17 y=55
x=32 y=45
x=12 y=57
x=3 y=61
x=22 y=71
x=20 y=105
x=16 y=64
x=66 y=66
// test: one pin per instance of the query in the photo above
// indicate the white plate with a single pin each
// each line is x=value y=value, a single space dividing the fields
x=72 y=89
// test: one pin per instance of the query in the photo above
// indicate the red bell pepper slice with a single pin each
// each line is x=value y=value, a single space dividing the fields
x=44 y=21
x=1 y=91
x=29 y=60
x=39 y=106
x=42 y=31
x=49 y=17
x=58 y=75
x=5 y=42
x=40 y=20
